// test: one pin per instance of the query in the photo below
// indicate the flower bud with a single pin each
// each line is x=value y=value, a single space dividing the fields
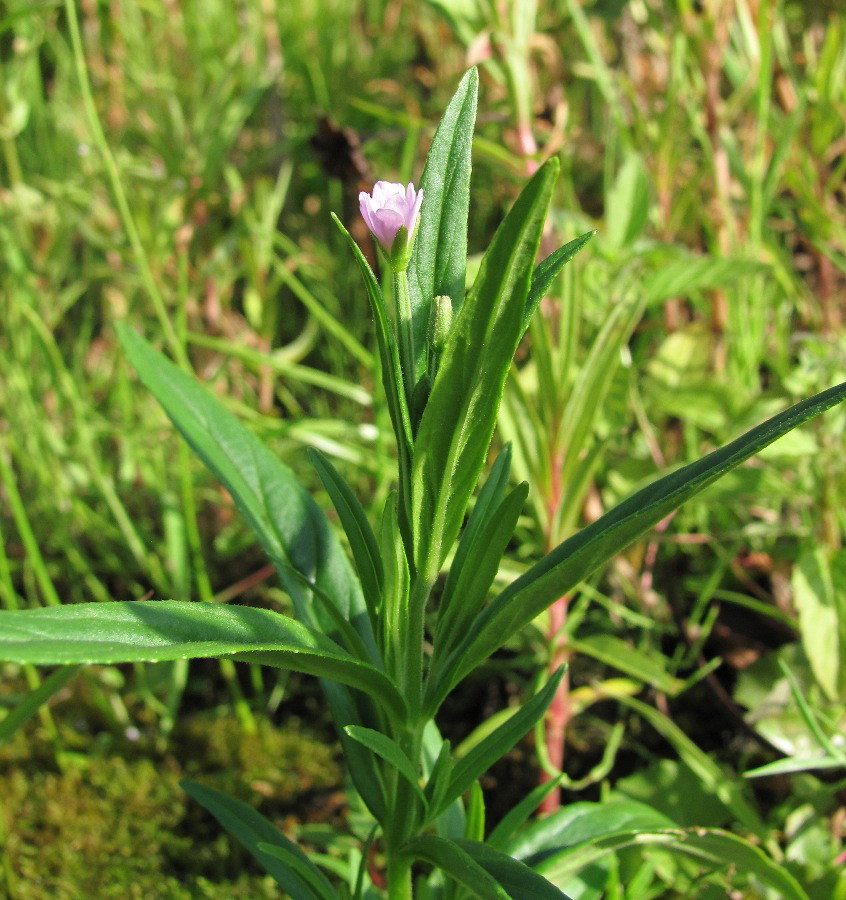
x=390 y=213
x=440 y=323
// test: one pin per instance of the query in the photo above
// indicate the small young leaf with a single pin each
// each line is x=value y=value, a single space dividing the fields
x=516 y=877
x=439 y=777
x=518 y=815
x=474 y=826
x=296 y=874
x=390 y=751
x=457 y=863
x=393 y=618
x=365 y=549
x=439 y=251
x=470 y=579
x=299 y=864
x=499 y=742
x=546 y=270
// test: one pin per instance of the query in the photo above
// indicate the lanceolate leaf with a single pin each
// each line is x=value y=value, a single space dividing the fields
x=467 y=587
x=157 y=631
x=573 y=560
x=516 y=877
x=288 y=524
x=290 y=527
x=292 y=869
x=546 y=270
x=498 y=743
x=439 y=253
x=365 y=548
x=390 y=751
x=457 y=863
x=458 y=421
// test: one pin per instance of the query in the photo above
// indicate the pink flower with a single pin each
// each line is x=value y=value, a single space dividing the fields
x=388 y=208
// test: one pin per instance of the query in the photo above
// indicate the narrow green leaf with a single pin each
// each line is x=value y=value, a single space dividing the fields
x=439 y=252
x=721 y=784
x=470 y=580
x=474 y=824
x=573 y=560
x=291 y=869
x=457 y=424
x=489 y=498
x=456 y=862
x=592 y=384
x=627 y=203
x=518 y=815
x=439 y=778
x=292 y=530
x=499 y=742
x=392 y=378
x=155 y=631
x=295 y=860
x=390 y=751
x=682 y=276
x=437 y=754
x=516 y=877
x=363 y=544
x=796 y=764
x=289 y=526
x=546 y=270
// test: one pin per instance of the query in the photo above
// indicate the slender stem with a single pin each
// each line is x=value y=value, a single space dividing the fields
x=399 y=879
x=405 y=333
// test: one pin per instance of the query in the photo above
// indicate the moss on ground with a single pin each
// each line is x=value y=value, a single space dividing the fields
x=115 y=823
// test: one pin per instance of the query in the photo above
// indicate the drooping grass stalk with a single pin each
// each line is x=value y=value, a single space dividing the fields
x=104 y=483
x=10 y=148
x=100 y=141
x=30 y=543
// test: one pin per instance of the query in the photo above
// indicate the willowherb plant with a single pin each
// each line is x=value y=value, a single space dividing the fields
x=361 y=625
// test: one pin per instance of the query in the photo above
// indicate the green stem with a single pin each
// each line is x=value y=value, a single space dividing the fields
x=399 y=879
x=405 y=333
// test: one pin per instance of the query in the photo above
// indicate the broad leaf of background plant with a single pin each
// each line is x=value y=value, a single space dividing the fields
x=573 y=560
x=160 y=630
x=715 y=850
x=439 y=252
x=296 y=874
x=457 y=424
x=819 y=595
